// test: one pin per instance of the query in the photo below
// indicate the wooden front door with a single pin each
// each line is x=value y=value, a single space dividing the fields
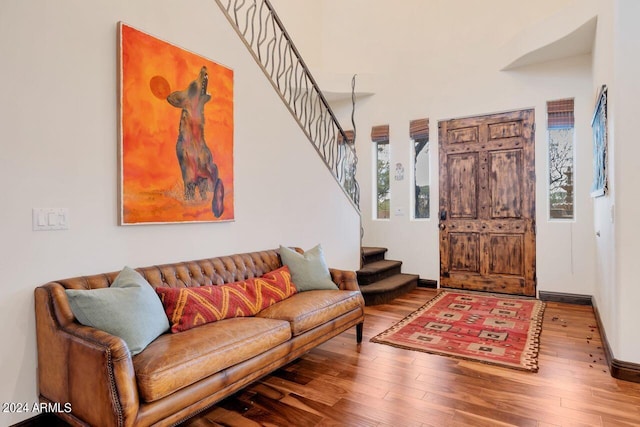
x=487 y=203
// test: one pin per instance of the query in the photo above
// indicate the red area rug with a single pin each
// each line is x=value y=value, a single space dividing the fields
x=482 y=327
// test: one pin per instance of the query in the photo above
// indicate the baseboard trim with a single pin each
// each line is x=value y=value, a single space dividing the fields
x=626 y=371
x=428 y=283
x=566 y=298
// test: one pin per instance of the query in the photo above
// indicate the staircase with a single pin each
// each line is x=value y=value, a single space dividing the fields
x=264 y=35
x=380 y=279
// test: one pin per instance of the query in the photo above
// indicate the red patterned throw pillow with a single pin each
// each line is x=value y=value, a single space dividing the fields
x=187 y=308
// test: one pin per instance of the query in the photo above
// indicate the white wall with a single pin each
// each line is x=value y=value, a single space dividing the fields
x=626 y=103
x=303 y=21
x=607 y=293
x=616 y=64
x=59 y=149
x=437 y=59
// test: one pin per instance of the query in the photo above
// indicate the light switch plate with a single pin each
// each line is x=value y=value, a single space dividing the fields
x=50 y=219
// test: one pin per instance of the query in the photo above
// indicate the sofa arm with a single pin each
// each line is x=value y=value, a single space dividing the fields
x=345 y=279
x=82 y=366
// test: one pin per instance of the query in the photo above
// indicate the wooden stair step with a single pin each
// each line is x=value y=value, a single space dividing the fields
x=378 y=270
x=389 y=288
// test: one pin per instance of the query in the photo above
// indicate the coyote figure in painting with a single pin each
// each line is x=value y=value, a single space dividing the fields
x=195 y=158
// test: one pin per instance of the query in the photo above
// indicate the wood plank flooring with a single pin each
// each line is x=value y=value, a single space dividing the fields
x=341 y=383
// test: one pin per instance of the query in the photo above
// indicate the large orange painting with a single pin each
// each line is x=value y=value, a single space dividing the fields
x=176 y=133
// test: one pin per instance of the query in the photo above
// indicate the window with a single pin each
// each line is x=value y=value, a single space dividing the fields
x=380 y=138
x=560 y=125
x=346 y=164
x=419 y=133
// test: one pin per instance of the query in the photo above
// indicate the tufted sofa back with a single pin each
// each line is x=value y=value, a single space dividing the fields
x=211 y=271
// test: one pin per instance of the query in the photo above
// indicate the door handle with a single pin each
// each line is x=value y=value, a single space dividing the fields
x=442 y=226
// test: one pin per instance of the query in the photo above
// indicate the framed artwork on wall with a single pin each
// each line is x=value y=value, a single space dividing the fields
x=599 y=127
x=175 y=133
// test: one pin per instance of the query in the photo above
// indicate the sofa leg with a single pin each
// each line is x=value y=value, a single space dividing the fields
x=359 y=328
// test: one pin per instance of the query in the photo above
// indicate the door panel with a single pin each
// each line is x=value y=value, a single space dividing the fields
x=465 y=251
x=487 y=203
x=506 y=254
x=505 y=130
x=463 y=177
x=463 y=135
x=505 y=184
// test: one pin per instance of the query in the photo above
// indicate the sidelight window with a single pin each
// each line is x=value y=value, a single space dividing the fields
x=560 y=125
x=380 y=139
x=419 y=133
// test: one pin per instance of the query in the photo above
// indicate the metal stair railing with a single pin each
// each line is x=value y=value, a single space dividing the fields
x=261 y=30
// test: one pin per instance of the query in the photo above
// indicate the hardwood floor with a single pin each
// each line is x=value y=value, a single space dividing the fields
x=344 y=384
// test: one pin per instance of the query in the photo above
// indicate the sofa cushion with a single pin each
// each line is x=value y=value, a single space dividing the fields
x=129 y=309
x=309 y=271
x=193 y=306
x=306 y=310
x=174 y=361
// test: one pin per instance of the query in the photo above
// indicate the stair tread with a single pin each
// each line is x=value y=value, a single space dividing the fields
x=372 y=250
x=392 y=282
x=378 y=266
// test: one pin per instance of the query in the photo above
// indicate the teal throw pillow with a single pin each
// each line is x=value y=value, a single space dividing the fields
x=129 y=309
x=309 y=271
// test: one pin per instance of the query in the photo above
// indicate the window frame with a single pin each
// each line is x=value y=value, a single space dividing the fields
x=376 y=202
x=560 y=116
x=412 y=186
x=380 y=135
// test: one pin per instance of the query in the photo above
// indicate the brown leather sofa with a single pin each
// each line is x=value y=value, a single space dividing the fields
x=180 y=374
